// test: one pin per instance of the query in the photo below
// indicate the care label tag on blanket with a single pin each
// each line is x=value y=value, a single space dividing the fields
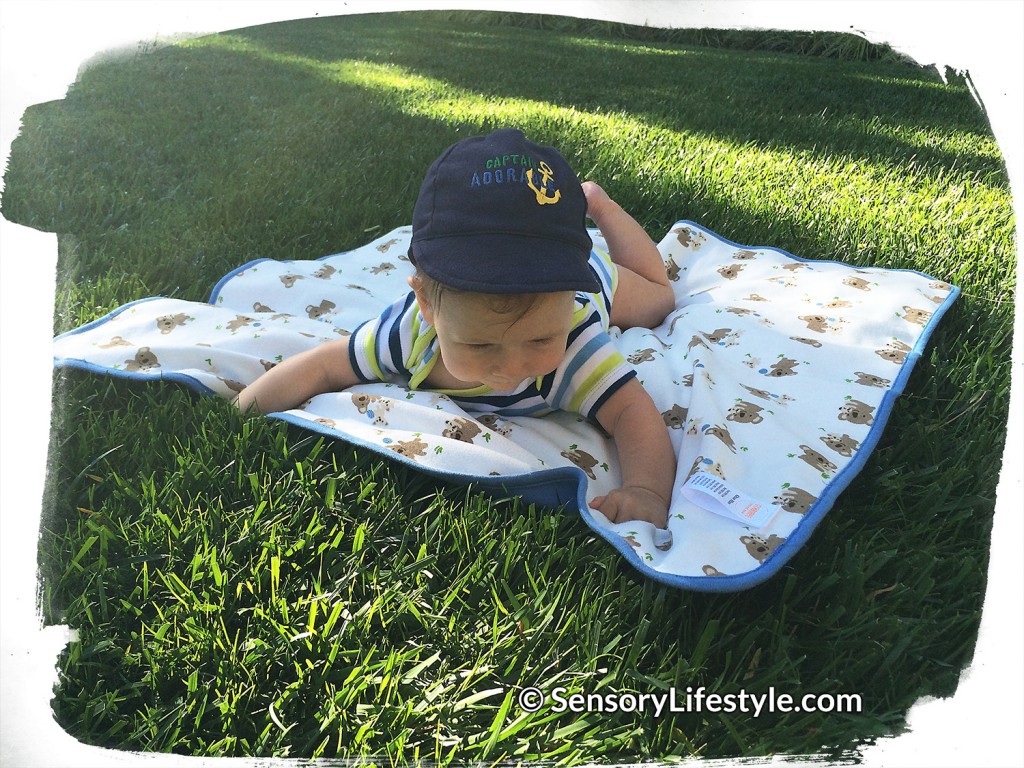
x=716 y=495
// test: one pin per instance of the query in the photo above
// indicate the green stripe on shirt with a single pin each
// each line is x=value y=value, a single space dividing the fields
x=594 y=379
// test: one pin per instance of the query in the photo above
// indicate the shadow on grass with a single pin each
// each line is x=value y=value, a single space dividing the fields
x=291 y=166
x=772 y=101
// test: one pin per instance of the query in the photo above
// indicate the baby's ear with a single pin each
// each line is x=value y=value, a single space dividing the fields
x=416 y=283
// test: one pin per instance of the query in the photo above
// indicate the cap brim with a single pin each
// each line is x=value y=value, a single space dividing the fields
x=505 y=263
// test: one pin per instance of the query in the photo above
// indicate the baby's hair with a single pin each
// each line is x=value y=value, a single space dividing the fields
x=502 y=303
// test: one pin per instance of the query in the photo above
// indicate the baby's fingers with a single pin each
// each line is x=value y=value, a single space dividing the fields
x=608 y=507
x=596 y=197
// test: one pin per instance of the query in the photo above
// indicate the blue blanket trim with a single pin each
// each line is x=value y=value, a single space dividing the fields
x=215 y=293
x=814 y=515
x=554 y=487
x=178 y=378
x=107 y=317
x=117 y=373
x=559 y=487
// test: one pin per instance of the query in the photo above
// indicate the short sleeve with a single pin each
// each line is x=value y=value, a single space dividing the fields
x=592 y=370
x=375 y=349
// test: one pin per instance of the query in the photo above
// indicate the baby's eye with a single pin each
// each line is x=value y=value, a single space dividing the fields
x=543 y=342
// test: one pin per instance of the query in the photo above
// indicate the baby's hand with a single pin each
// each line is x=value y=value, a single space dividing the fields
x=632 y=502
x=597 y=198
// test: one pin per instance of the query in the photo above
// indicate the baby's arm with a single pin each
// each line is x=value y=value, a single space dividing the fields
x=644 y=295
x=325 y=368
x=645 y=454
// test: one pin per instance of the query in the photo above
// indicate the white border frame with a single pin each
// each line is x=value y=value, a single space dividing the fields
x=42 y=44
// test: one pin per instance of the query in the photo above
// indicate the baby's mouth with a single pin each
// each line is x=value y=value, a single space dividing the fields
x=506 y=386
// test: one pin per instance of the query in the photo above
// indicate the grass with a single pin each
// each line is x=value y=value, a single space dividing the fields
x=246 y=588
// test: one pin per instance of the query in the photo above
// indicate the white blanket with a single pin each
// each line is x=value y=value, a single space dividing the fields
x=775 y=376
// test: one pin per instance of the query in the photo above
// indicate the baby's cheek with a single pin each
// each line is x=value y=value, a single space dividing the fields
x=552 y=362
x=463 y=364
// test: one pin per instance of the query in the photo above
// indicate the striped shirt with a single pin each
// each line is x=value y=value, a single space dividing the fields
x=400 y=345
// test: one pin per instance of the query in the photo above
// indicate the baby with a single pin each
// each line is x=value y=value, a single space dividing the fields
x=510 y=309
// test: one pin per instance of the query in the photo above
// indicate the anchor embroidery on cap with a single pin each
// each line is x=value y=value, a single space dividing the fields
x=546 y=174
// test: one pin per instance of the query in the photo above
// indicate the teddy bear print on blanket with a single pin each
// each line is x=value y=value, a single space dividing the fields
x=775 y=376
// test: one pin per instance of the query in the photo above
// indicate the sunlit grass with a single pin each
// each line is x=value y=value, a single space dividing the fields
x=816 y=187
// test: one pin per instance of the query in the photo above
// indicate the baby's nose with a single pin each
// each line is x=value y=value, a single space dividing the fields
x=511 y=367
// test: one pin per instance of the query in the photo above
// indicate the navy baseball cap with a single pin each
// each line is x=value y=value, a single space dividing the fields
x=501 y=214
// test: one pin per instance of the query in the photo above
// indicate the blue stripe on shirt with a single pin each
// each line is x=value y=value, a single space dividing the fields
x=394 y=340
x=353 y=358
x=578 y=361
x=592 y=414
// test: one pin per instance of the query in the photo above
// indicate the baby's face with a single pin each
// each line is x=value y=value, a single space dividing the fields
x=502 y=349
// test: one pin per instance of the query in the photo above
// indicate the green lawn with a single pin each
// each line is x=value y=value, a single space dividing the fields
x=247 y=588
